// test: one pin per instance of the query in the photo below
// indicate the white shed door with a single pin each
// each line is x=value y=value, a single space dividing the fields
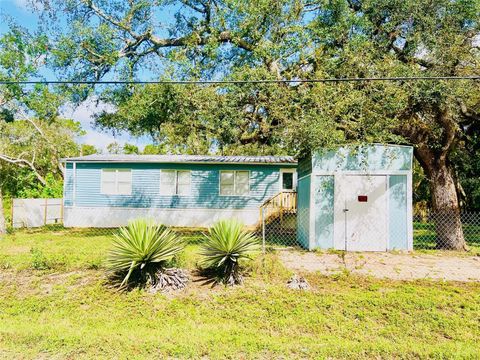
x=366 y=213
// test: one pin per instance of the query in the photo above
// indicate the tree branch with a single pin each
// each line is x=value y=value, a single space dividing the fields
x=224 y=36
x=110 y=19
x=191 y=6
x=194 y=38
x=450 y=131
x=47 y=140
x=468 y=113
x=24 y=163
x=400 y=52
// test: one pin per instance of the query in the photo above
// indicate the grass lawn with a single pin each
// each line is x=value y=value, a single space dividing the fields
x=55 y=302
x=424 y=236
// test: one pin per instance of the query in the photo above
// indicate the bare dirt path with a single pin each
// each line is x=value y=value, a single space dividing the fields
x=386 y=265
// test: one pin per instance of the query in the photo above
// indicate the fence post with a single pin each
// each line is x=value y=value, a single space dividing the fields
x=263 y=230
x=45 y=212
x=11 y=211
x=61 y=212
x=281 y=209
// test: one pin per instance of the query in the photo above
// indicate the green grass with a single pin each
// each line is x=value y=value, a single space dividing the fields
x=63 y=250
x=69 y=249
x=424 y=236
x=67 y=310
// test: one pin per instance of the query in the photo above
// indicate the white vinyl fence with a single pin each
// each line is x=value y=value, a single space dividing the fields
x=36 y=212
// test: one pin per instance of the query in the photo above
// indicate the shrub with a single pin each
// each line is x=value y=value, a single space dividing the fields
x=142 y=249
x=227 y=243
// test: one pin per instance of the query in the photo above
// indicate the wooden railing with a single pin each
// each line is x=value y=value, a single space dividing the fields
x=278 y=205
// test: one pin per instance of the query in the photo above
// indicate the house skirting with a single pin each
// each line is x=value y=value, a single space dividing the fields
x=104 y=217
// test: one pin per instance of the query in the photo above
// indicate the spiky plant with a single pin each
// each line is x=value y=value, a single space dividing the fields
x=142 y=248
x=227 y=243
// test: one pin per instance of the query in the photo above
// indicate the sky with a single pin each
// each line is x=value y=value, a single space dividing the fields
x=18 y=10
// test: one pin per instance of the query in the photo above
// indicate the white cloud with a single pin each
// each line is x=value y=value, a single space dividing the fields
x=22 y=4
x=100 y=140
x=84 y=112
x=84 y=115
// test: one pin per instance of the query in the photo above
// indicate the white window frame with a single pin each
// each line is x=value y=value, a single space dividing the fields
x=175 y=193
x=234 y=182
x=115 y=191
x=280 y=180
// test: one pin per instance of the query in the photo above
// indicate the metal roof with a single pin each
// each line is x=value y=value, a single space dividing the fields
x=189 y=159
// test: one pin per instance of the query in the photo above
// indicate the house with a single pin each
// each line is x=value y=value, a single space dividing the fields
x=350 y=198
x=356 y=199
x=176 y=190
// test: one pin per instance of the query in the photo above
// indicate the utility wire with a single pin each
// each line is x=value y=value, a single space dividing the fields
x=201 y=82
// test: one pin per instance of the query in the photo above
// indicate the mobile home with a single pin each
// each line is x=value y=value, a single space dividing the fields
x=176 y=190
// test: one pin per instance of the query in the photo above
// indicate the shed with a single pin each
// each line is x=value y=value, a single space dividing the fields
x=356 y=198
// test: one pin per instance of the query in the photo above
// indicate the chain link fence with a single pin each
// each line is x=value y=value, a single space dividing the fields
x=278 y=228
x=437 y=236
x=446 y=230
x=431 y=231
x=279 y=231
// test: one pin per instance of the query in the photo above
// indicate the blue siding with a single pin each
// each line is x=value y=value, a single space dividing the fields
x=324 y=210
x=398 y=235
x=303 y=212
x=264 y=183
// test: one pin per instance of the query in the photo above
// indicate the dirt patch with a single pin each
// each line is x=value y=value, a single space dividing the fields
x=35 y=282
x=15 y=250
x=386 y=265
x=200 y=287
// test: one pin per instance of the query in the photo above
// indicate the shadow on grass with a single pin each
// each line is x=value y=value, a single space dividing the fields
x=206 y=277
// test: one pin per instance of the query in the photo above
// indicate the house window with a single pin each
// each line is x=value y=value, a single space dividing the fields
x=234 y=182
x=175 y=182
x=116 y=182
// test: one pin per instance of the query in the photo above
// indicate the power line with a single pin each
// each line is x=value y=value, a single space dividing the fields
x=202 y=82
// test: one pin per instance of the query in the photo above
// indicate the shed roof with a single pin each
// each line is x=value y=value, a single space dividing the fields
x=188 y=159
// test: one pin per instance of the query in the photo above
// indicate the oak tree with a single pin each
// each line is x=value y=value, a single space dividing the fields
x=289 y=39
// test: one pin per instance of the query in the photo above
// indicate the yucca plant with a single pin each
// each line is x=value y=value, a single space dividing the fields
x=226 y=244
x=142 y=248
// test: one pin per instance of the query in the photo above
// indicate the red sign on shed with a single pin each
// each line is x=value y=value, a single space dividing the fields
x=362 y=198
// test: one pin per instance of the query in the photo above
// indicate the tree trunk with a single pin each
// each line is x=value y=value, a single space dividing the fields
x=3 y=227
x=432 y=152
x=448 y=224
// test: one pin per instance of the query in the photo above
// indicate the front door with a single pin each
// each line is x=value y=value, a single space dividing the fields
x=366 y=212
x=288 y=180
